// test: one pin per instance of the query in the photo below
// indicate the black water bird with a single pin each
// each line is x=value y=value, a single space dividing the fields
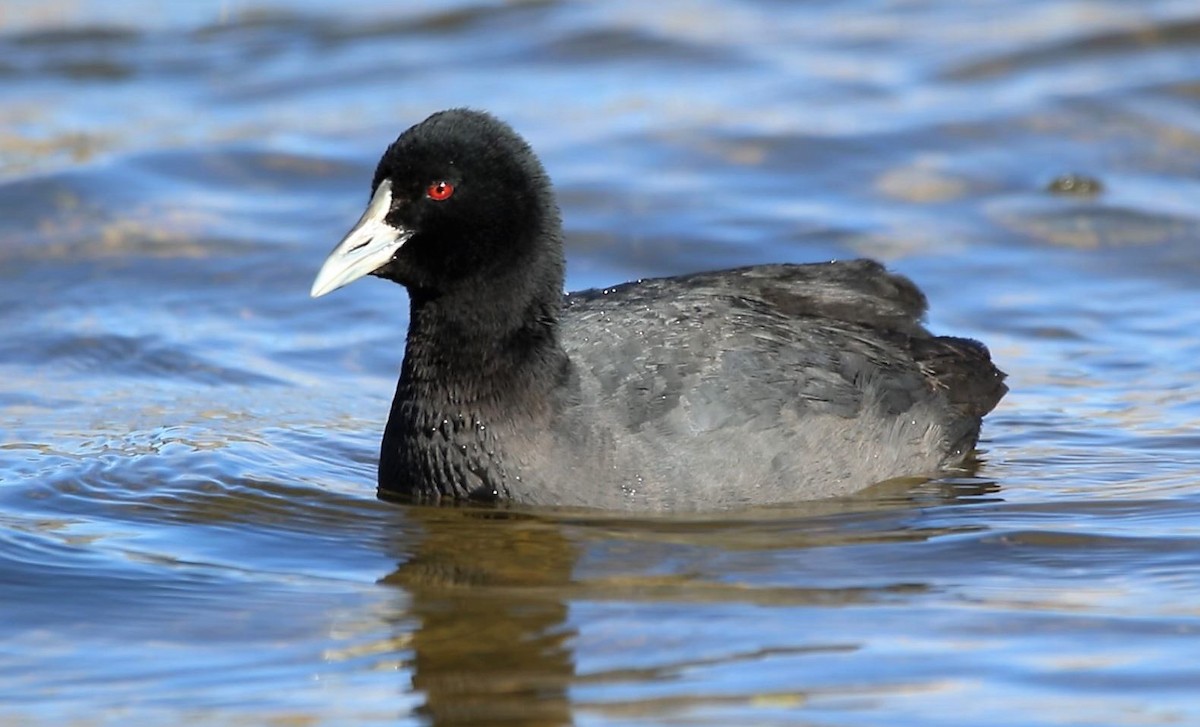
x=762 y=384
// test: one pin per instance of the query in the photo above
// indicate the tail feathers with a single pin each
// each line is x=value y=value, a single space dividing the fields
x=963 y=369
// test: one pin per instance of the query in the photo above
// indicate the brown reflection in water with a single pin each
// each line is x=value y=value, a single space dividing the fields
x=492 y=645
x=489 y=590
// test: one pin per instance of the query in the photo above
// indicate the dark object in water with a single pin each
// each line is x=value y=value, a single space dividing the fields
x=1075 y=185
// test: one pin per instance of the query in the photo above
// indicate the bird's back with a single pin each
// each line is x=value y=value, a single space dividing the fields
x=763 y=384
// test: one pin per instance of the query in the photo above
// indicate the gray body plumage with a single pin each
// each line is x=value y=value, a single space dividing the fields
x=766 y=384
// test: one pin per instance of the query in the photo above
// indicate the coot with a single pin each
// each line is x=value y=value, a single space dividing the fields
x=757 y=385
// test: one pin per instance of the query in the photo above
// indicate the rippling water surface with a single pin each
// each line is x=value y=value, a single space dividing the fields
x=189 y=532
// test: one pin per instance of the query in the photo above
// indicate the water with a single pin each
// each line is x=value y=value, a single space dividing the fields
x=188 y=527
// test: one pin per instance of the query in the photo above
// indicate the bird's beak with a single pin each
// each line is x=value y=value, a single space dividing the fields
x=369 y=245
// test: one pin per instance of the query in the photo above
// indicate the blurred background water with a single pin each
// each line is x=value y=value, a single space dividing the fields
x=189 y=532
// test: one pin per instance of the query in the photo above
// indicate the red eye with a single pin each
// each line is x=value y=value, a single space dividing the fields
x=439 y=191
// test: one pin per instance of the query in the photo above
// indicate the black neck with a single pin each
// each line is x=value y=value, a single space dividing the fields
x=484 y=345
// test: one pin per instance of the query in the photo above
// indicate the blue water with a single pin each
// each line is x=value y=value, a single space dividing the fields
x=189 y=532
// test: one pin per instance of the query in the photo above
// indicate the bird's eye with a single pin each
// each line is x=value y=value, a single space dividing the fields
x=439 y=191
